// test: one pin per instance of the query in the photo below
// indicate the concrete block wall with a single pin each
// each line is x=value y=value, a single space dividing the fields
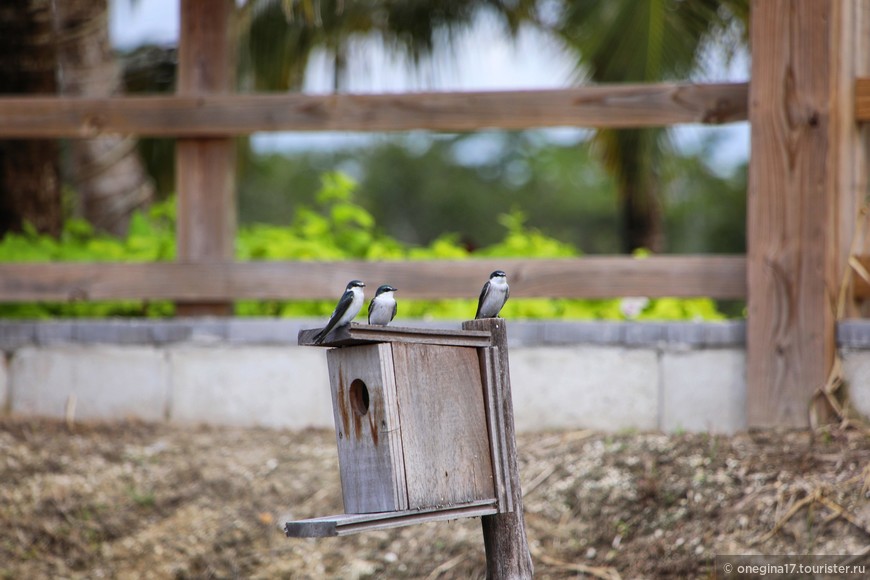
x=103 y=383
x=4 y=384
x=249 y=372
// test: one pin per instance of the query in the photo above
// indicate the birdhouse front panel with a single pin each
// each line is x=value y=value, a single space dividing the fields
x=443 y=420
x=366 y=415
x=411 y=426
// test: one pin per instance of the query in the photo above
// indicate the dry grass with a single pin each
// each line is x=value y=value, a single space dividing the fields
x=133 y=500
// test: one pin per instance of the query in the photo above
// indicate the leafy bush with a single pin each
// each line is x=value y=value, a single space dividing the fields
x=337 y=228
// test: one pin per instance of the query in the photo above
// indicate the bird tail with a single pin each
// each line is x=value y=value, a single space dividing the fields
x=320 y=336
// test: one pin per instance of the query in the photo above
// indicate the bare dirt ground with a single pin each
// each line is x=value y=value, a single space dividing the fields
x=133 y=500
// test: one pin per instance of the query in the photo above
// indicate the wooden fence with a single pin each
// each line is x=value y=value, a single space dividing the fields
x=808 y=97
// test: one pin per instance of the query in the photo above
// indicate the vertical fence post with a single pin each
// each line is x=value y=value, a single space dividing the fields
x=802 y=199
x=205 y=168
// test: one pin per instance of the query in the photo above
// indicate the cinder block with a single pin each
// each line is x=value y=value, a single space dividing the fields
x=853 y=334
x=594 y=332
x=4 y=384
x=704 y=390
x=15 y=335
x=269 y=386
x=207 y=330
x=102 y=382
x=266 y=330
x=856 y=368
x=585 y=387
x=684 y=335
x=118 y=332
x=644 y=333
x=731 y=333
x=525 y=333
x=53 y=332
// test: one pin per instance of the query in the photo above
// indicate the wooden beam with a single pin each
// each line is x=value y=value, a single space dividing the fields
x=862 y=99
x=590 y=277
x=799 y=201
x=205 y=168
x=344 y=524
x=858 y=304
x=355 y=334
x=504 y=533
x=211 y=115
x=848 y=157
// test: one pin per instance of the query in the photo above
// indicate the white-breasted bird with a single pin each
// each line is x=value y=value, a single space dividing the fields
x=382 y=308
x=493 y=296
x=346 y=310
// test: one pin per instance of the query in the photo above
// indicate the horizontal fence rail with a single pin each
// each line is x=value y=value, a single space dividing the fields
x=590 y=277
x=220 y=115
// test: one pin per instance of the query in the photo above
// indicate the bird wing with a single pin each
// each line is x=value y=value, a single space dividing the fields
x=481 y=299
x=395 y=309
x=371 y=307
x=342 y=306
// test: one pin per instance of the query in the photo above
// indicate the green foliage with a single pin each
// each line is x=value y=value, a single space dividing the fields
x=335 y=227
x=422 y=187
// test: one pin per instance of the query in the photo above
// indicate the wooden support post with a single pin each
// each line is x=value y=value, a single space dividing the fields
x=855 y=163
x=205 y=168
x=802 y=199
x=504 y=534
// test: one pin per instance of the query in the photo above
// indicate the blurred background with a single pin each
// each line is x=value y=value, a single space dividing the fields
x=679 y=190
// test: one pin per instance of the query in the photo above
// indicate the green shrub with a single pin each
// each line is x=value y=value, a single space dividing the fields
x=337 y=228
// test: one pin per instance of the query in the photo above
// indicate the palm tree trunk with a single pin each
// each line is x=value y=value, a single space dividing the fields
x=29 y=169
x=641 y=216
x=632 y=156
x=107 y=171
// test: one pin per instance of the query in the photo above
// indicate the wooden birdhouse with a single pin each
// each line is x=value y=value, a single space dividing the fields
x=421 y=424
x=410 y=425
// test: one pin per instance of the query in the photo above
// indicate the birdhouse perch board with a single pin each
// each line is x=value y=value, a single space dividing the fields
x=419 y=427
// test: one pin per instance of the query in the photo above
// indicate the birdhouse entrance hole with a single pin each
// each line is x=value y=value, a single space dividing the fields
x=359 y=397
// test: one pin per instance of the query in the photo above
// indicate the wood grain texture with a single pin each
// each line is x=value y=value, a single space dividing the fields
x=444 y=433
x=209 y=115
x=861 y=284
x=589 y=277
x=850 y=154
x=493 y=397
x=855 y=166
x=344 y=524
x=205 y=168
x=792 y=208
x=356 y=333
x=862 y=99
x=504 y=534
x=369 y=444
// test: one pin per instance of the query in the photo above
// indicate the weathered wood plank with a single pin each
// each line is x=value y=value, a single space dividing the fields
x=857 y=22
x=589 y=277
x=368 y=429
x=344 y=524
x=444 y=434
x=610 y=106
x=504 y=533
x=862 y=99
x=792 y=208
x=849 y=148
x=205 y=168
x=491 y=373
x=355 y=334
x=861 y=284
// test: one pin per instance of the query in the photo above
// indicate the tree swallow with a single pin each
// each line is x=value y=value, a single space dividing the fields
x=348 y=307
x=493 y=296
x=382 y=308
